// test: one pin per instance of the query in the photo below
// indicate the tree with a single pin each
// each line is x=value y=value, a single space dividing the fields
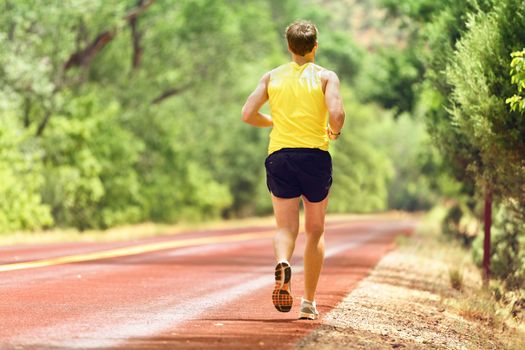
x=479 y=76
x=465 y=46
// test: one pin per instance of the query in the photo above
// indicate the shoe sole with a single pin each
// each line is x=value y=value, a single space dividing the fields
x=308 y=316
x=282 y=297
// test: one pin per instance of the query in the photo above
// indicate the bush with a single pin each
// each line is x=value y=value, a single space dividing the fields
x=508 y=249
x=21 y=206
x=90 y=181
x=456 y=279
x=460 y=224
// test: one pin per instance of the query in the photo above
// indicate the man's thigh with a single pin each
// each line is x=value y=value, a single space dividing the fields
x=286 y=211
x=314 y=215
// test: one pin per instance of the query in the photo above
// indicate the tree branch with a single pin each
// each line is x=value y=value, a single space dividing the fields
x=136 y=36
x=43 y=123
x=12 y=24
x=143 y=6
x=170 y=93
x=137 y=50
x=83 y=57
x=27 y=111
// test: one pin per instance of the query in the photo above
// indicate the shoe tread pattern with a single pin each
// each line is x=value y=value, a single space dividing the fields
x=282 y=297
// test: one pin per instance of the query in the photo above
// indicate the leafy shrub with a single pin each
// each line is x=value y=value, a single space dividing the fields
x=456 y=279
x=21 y=206
x=89 y=176
x=508 y=249
x=460 y=224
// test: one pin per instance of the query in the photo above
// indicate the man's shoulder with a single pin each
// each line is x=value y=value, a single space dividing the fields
x=279 y=72
x=324 y=71
x=326 y=74
x=280 y=68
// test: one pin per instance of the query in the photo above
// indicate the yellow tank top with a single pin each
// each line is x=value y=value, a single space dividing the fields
x=297 y=107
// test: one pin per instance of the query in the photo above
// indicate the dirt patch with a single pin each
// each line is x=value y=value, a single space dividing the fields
x=404 y=304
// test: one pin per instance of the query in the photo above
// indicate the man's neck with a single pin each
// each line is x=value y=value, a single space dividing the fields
x=300 y=60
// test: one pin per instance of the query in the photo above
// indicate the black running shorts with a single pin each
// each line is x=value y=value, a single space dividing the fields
x=292 y=172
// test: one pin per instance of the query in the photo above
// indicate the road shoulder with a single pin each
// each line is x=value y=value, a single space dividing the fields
x=407 y=302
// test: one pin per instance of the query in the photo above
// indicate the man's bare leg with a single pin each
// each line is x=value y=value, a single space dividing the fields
x=286 y=212
x=314 y=249
x=287 y=218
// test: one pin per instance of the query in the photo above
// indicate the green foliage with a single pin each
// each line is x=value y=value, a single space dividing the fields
x=120 y=143
x=147 y=125
x=465 y=49
x=480 y=83
x=363 y=168
x=414 y=184
x=420 y=10
x=434 y=30
x=508 y=248
x=517 y=101
x=89 y=159
x=389 y=78
x=341 y=55
x=461 y=224
x=21 y=206
x=361 y=174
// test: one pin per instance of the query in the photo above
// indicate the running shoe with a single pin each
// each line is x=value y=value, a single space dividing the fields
x=308 y=310
x=282 y=293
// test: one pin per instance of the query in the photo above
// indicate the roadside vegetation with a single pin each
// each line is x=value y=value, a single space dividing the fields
x=425 y=294
x=469 y=92
x=495 y=308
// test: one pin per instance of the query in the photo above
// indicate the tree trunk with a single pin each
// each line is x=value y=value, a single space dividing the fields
x=486 y=241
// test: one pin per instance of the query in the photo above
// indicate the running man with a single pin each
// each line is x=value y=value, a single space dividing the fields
x=306 y=111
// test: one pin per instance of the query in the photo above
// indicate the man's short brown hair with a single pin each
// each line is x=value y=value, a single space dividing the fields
x=301 y=36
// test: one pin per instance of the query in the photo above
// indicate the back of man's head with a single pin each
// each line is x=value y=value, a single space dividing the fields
x=301 y=36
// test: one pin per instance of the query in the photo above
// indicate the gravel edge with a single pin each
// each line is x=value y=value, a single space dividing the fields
x=399 y=306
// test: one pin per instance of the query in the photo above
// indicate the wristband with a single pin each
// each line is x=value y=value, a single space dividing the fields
x=334 y=133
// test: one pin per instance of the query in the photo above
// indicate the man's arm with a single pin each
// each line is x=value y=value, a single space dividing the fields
x=250 y=110
x=334 y=103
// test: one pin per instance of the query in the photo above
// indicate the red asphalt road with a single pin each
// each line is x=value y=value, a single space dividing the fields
x=215 y=296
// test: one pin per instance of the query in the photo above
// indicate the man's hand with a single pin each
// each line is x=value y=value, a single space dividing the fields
x=332 y=135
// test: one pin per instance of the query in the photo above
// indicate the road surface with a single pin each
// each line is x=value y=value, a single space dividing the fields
x=208 y=289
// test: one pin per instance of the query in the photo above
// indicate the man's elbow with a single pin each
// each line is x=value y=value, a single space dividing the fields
x=342 y=116
x=245 y=114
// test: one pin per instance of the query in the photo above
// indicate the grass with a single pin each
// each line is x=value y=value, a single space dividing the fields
x=466 y=295
x=145 y=230
x=456 y=278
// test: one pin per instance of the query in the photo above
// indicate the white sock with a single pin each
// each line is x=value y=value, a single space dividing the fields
x=308 y=301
